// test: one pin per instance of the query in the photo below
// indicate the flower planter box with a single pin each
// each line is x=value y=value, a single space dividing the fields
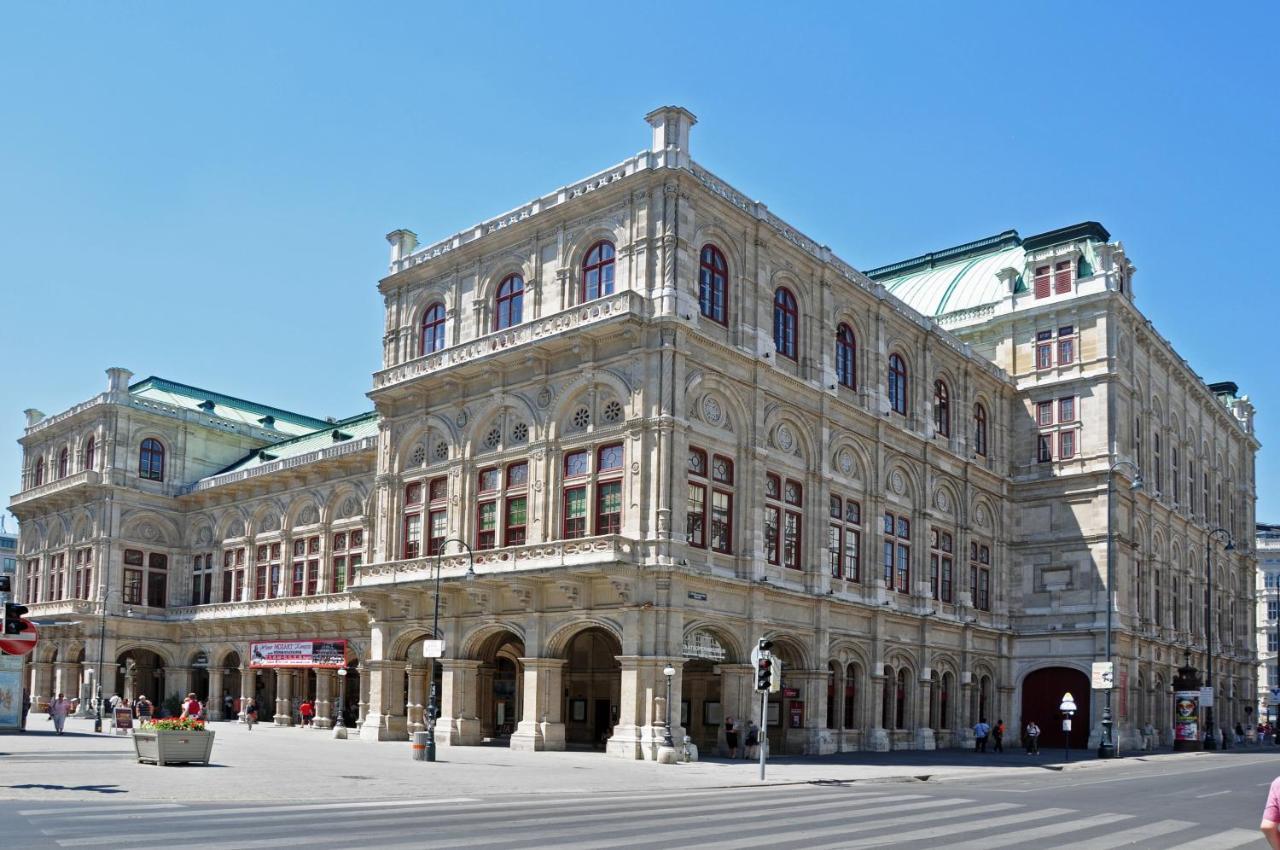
x=172 y=747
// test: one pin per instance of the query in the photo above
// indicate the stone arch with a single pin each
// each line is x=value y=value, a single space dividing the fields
x=945 y=499
x=734 y=414
x=723 y=634
x=428 y=431
x=850 y=459
x=504 y=413
x=336 y=507
x=303 y=511
x=399 y=649
x=82 y=528
x=164 y=652
x=496 y=272
x=902 y=481
x=152 y=528
x=268 y=516
x=793 y=651
x=476 y=644
x=713 y=233
x=557 y=643
x=591 y=391
x=848 y=649
x=785 y=429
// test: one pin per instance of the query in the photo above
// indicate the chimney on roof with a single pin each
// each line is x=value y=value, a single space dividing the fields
x=118 y=380
x=33 y=416
x=402 y=244
x=671 y=133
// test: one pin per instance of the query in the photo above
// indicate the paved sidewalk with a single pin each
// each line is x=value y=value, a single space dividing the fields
x=291 y=763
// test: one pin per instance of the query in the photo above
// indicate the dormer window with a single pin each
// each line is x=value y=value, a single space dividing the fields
x=1054 y=278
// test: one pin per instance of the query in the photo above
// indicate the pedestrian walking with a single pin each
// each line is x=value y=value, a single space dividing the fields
x=58 y=710
x=998 y=735
x=143 y=709
x=306 y=711
x=731 y=737
x=1033 y=738
x=250 y=713
x=26 y=707
x=1239 y=734
x=191 y=708
x=981 y=730
x=1271 y=817
x=751 y=750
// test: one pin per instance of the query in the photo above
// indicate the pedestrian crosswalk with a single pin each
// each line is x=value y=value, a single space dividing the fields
x=799 y=816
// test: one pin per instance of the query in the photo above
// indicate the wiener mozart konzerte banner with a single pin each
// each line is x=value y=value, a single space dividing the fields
x=297 y=653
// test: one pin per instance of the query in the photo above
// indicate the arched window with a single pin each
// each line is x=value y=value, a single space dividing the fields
x=90 y=448
x=151 y=460
x=784 y=322
x=62 y=463
x=980 y=430
x=900 y=703
x=509 y=303
x=597 y=271
x=941 y=409
x=897 y=384
x=432 y=329
x=850 y=695
x=39 y=471
x=713 y=285
x=832 y=696
x=846 y=357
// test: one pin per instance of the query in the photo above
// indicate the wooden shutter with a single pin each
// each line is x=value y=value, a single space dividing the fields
x=1042 y=282
x=1062 y=277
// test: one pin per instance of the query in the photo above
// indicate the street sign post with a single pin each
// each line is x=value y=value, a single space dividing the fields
x=433 y=649
x=1103 y=678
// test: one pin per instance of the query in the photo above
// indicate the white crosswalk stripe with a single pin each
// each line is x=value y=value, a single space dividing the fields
x=1036 y=833
x=1129 y=836
x=1222 y=840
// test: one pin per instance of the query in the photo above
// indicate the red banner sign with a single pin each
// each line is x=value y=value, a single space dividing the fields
x=298 y=653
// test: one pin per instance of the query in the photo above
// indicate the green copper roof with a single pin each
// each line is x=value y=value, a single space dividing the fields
x=225 y=406
x=332 y=434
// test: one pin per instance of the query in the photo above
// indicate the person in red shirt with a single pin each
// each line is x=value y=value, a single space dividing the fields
x=191 y=707
x=306 y=710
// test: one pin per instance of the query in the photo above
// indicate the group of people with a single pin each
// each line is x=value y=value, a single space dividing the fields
x=750 y=744
x=984 y=732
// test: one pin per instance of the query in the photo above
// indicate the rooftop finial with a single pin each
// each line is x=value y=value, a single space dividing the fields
x=671 y=131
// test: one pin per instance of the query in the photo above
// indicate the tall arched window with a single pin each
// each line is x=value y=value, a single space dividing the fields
x=846 y=357
x=900 y=703
x=597 y=271
x=90 y=449
x=785 y=316
x=850 y=695
x=941 y=409
x=432 y=329
x=39 y=471
x=63 y=457
x=713 y=284
x=980 y=430
x=897 y=384
x=151 y=460
x=509 y=302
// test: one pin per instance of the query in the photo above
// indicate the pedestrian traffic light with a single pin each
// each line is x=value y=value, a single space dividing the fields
x=764 y=674
x=13 y=622
x=6 y=584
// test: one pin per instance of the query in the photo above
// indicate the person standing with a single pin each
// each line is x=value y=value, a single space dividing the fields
x=731 y=737
x=228 y=706
x=307 y=711
x=1033 y=738
x=142 y=708
x=981 y=730
x=191 y=708
x=26 y=706
x=751 y=750
x=998 y=734
x=250 y=713
x=58 y=710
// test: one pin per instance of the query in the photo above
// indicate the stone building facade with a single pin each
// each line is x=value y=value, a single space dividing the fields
x=1267 y=587
x=642 y=421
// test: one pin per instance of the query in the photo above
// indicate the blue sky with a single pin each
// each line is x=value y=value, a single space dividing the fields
x=201 y=192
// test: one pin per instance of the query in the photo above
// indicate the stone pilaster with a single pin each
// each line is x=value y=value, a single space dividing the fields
x=459 y=722
x=384 y=719
x=284 y=691
x=324 y=698
x=541 y=727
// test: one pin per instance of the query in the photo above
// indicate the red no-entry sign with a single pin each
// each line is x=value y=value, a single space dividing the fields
x=20 y=644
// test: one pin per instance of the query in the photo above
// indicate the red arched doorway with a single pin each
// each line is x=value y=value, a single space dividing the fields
x=1042 y=692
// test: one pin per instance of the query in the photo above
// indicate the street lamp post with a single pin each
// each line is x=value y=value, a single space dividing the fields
x=1107 y=746
x=102 y=641
x=1210 y=737
x=669 y=672
x=435 y=632
x=340 y=728
x=1068 y=709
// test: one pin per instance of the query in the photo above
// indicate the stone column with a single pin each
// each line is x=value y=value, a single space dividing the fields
x=459 y=722
x=176 y=680
x=42 y=685
x=414 y=714
x=362 y=707
x=213 y=700
x=812 y=738
x=924 y=700
x=88 y=675
x=640 y=730
x=965 y=733
x=248 y=682
x=384 y=718
x=284 y=690
x=324 y=699
x=65 y=675
x=878 y=740
x=738 y=699
x=541 y=726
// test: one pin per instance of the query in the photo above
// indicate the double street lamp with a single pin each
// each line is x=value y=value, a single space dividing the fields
x=1107 y=746
x=1210 y=737
x=435 y=635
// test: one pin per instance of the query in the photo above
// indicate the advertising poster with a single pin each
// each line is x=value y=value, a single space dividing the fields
x=298 y=653
x=1186 y=712
x=11 y=694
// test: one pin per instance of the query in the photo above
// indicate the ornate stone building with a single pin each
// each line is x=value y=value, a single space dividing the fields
x=644 y=421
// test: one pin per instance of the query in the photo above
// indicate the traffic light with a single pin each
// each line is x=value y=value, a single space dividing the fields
x=6 y=584
x=13 y=622
x=764 y=674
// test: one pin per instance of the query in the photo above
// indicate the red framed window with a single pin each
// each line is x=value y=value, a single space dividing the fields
x=437 y=514
x=151 y=460
x=897 y=384
x=348 y=554
x=941 y=564
x=157 y=580
x=772 y=518
x=1062 y=277
x=592 y=496
x=1067 y=409
x=63 y=460
x=1044 y=413
x=941 y=409
x=1044 y=349
x=846 y=357
x=33 y=580
x=695 y=524
x=39 y=473
x=785 y=320
x=1044 y=448
x=411 y=532
x=844 y=538
x=201 y=579
x=1066 y=345
x=897 y=552
x=132 y=589
x=721 y=504
x=980 y=430
x=516 y=504
x=1043 y=282
x=980 y=575
x=432 y=336
x=487 y=481
x=784 y=521
x=609 y=489
x=509 y=302
x=84 y=572
x=709 y=511
x=57 y=572
x=713 y=284
x=90 y=452
x=1066 y=444
x=597 y=271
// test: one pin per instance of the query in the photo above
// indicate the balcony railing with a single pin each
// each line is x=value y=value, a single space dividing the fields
x=583 y=315
x=534 y=556
x=85 y=477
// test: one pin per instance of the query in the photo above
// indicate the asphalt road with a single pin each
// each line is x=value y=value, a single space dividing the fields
x=1206 y=803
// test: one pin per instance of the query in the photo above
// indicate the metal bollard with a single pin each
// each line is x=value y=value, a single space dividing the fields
x=419 y=746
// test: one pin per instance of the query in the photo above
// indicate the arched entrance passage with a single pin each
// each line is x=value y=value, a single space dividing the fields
x=420 y=674
x=230 y=664
x=200 y=679
x=1042 y=692
x=784 y=738
x=500 y=686
x=593 y=684
x=140 y=672
x=705 y=699
x=349 y=688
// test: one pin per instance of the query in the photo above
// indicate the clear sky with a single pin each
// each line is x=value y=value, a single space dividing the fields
x=200 y=191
